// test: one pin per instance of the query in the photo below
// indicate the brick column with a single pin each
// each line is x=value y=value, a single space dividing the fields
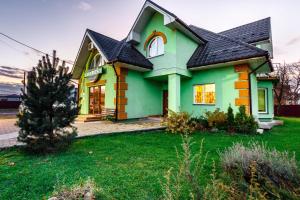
x=122 y=99
x=242 y=85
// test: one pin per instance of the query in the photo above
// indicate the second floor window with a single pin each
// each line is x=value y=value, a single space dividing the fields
x=156 y=47
x=97 y=61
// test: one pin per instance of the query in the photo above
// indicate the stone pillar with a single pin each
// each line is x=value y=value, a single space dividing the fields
x=122 y=88
x=174 y=92
x=242 y=85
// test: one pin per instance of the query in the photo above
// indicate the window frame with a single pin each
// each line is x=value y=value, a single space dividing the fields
x=150 y=42
x=93 y=62
x=266 y=101
x=203 y=84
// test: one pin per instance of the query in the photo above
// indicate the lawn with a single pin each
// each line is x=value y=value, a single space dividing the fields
x=125 y=166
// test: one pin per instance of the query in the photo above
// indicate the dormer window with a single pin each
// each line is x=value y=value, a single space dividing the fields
x=155 y=47
x=97 y=61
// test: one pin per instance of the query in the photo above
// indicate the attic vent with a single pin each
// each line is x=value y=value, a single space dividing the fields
x=91 y=46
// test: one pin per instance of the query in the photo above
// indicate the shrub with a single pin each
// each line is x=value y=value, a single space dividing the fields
x=179 y=123
x=273 y=168
x=86 y=190
x=244 y=123
x=201 y=123
x=230 y=120
x=216 y=119
x=185 y=183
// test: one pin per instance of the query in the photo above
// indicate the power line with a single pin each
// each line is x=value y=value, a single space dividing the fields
x=32 y=48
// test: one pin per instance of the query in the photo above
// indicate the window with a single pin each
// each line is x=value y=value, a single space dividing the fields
x=97 y=61
x=262 y=100
x=204 y=94
x=156 y=47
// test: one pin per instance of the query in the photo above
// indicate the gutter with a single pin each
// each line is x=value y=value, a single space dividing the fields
x=117 y=92
x=249 y=79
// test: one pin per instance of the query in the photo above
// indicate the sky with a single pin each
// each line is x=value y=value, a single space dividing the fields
x=60 y=24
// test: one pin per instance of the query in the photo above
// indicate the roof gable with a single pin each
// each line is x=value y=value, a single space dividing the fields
x=170 y=20
x=112 y=51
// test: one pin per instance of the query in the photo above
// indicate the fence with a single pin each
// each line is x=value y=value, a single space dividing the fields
x=288 y=110
x=9 y=104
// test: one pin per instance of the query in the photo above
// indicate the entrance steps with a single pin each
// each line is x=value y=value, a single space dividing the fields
x=269 y=125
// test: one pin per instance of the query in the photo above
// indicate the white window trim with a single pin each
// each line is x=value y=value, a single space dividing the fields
x=101 y=61
x=210 y=104
x=266 y=101
x=148 y=48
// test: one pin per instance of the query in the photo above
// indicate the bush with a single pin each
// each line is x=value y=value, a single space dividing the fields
x=179 y=123
x=216 y=119
x=201 y=123
x=273 y=169
x=86 y=190
x=187 y=182
x=244 y=123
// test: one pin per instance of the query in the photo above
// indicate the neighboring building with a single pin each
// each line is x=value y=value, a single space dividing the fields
x=10 y=101
x=165 y=64
x=11 y=97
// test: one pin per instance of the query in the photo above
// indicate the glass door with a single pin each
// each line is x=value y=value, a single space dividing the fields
x=96 y=99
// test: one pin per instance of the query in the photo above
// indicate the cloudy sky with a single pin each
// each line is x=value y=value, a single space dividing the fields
x=60 y=25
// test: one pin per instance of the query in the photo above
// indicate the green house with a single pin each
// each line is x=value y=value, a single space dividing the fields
x=164 y=64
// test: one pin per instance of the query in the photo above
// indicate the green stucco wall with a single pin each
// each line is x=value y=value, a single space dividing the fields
x=109 y=76
x=270 y=101
x=177 y=50
x=223 y=78
x=144 y=96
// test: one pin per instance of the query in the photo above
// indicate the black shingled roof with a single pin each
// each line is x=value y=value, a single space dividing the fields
x=220 y=48
x=115 y=50
x=225 y=46
x=250 y=33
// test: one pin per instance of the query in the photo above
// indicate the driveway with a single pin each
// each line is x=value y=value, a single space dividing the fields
x=9 y=132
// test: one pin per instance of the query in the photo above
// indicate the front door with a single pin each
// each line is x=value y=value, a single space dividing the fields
x=165 y=102
x=97 y=99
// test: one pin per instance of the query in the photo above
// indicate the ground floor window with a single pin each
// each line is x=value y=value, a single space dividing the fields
x=204 y=94
x=262 y=100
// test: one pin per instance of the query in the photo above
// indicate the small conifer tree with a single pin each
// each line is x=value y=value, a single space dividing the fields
x=230 y=120
x=48 y=108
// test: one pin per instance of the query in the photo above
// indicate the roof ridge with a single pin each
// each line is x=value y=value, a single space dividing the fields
x=267 y=18
x=232 y=40
x=102 y=34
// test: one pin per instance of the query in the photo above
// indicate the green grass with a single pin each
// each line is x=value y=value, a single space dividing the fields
x=125 y=166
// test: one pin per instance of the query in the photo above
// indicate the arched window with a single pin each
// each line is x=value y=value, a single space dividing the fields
x=97 y=61
x=156 y=47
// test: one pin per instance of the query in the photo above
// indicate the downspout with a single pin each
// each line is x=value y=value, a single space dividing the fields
x=249 y=78
x=117 y=92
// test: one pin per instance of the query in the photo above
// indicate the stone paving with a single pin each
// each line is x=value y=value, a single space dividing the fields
x=9 y=132
x=8 y=126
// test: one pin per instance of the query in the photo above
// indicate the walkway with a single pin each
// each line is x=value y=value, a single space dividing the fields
x=9 y=132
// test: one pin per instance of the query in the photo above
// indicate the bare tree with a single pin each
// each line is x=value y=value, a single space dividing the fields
x=282 y=73
x=294 y=83
x=288 y=89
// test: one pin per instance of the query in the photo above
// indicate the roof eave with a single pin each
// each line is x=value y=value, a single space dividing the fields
x=225 y=62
